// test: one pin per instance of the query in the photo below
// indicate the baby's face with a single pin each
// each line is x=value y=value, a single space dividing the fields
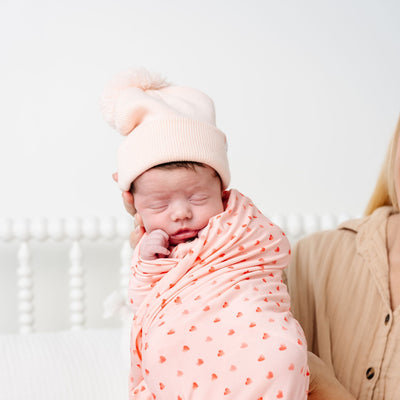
x=178 y=201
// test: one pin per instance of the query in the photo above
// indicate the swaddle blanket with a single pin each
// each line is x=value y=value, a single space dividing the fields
x=214 y=318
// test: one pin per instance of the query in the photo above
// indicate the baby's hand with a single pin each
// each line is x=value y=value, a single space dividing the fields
x=155 y=245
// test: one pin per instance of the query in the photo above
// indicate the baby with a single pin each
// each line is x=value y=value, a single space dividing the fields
x=212 y=315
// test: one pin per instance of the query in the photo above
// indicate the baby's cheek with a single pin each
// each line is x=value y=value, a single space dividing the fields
x=148 y=223
x=154 y=222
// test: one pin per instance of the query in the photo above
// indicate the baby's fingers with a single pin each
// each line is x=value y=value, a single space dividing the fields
x=161 y=251
x=160 y=235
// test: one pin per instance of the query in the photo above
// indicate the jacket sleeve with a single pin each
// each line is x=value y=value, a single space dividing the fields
x=302 y=280
x=298 y=276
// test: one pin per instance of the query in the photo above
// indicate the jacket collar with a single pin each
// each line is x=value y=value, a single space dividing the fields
x=372 y=246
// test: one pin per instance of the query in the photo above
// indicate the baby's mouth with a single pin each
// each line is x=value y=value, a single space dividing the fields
x=182 y=235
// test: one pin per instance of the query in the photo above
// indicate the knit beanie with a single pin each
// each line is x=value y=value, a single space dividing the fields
x=162 y=123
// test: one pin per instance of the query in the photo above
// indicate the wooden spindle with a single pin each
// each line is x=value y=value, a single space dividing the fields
x=310 y=223
x=76 y=284
x=25 y=289
x=294 y=226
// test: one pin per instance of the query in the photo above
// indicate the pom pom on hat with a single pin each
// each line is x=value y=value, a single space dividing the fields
x=120 y=87
x=162 y=123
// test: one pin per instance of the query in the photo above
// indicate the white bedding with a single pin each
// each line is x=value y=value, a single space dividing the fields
x=68 y=365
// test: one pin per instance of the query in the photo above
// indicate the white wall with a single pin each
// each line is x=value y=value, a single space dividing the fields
x=306 y=91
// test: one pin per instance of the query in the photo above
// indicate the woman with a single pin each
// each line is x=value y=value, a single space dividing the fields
x=345 y=290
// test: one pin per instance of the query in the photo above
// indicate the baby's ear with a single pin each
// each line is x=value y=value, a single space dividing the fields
x=129 y=203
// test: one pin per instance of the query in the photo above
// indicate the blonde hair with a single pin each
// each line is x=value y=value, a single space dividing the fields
x=385 y=193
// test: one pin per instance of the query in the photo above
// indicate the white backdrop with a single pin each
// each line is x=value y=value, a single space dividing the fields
x=308 y=93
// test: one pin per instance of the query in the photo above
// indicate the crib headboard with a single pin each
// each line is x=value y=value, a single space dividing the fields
x=56 y=273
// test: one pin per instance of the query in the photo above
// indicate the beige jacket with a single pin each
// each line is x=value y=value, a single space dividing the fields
x=338 y=282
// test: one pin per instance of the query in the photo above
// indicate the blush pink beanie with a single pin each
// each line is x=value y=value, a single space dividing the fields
x=162 y=123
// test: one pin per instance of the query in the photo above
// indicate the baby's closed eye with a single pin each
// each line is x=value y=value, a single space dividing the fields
x=157 y=206
x=198 y=199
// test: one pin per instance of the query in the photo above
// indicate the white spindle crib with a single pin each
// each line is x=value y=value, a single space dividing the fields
x=30 y=237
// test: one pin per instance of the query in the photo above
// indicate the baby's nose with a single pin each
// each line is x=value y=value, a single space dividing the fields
x=182 y=211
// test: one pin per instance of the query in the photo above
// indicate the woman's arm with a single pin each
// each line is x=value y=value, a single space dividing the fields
x=301 y=280
x=323 y=384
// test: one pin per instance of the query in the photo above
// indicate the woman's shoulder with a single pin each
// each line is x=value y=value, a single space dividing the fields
x=345 y=240
x=330 y=239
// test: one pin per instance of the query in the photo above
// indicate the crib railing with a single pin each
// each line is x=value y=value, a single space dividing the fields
x=74 y=231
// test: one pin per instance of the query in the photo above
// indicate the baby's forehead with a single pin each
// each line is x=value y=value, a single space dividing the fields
x=157 y=180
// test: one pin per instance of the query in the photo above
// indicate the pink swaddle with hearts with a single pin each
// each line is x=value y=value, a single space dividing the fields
x=213 y=320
